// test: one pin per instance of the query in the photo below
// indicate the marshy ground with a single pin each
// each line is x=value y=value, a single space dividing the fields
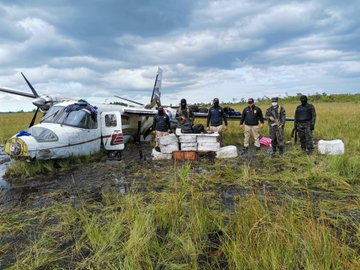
x=257 y=211
x=254 y=211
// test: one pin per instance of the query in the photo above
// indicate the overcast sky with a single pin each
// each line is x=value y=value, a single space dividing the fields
x=226 y=49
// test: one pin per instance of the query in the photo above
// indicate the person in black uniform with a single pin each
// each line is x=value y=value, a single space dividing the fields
x=161 y=125
x=251 y=116
x=216 y=117
x=276 y=118
x=305 y=117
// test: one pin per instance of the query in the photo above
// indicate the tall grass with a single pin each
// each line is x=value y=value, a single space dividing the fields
x=12 y=123
x=183 y=227
x=296 y=211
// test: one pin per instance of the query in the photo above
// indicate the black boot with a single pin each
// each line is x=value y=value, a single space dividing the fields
x=281 y=150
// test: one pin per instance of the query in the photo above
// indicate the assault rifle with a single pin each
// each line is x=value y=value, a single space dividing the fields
x=294 y=133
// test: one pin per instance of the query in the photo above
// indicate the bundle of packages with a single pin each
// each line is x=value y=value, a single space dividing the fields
x=188 y=142
x=208 y=142
x=168 y=144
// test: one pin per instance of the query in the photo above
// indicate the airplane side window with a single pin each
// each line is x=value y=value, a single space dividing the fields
x=110 y=120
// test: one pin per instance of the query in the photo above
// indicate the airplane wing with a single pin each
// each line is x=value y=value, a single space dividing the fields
x=234 y=117
x=17 y=92
x=204 y=115
x=140 y=111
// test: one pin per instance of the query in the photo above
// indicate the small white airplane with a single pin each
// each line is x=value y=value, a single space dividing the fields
x=74 y=128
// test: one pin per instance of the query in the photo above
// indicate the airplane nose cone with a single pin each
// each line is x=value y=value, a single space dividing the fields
x=39 y=102
x=16 y=147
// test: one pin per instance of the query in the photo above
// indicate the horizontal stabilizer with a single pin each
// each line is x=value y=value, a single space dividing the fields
x=129 y=100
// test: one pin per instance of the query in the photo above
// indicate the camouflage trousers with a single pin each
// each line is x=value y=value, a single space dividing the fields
x=305 y=135
x=277 y=137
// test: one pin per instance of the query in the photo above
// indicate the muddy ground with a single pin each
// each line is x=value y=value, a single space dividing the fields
x=90 y=181
x=136 y=172
x=83 y=181
x=86 y=181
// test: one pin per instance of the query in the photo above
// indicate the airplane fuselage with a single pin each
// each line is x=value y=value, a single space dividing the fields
x=63 y=133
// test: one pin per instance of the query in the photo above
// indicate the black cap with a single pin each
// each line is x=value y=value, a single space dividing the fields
x=250 y=100
x=274 y=99
x=216 y=100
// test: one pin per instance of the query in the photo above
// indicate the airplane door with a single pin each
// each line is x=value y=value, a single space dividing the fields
x=111 y=131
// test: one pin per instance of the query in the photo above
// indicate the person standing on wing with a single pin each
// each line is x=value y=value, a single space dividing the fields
x=251 y=116
x=276 y=118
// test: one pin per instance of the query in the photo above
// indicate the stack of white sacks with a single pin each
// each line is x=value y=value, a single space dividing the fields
x=192 y=142
x=198 y=142
x=188 y=142
x=167 y=145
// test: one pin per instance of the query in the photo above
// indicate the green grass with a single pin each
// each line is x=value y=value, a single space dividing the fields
x=297 y=211
x=12 y=123
x=185 y=226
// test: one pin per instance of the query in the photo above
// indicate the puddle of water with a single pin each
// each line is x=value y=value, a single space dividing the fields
x=230 y=196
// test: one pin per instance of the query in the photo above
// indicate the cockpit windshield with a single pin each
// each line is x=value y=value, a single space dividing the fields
x=51 y=114
x=81 y=118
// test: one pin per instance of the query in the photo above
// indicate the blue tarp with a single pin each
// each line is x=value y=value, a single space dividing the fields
x=23 y=133
x=82 y=104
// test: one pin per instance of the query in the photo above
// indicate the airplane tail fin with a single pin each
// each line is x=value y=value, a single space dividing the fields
x=156 y=94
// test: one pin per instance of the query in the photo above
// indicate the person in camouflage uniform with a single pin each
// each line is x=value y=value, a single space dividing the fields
x=276 y=118
x=184 y=113
x=305 y=117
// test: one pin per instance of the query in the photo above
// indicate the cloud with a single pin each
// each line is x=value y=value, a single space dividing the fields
x=224 y=48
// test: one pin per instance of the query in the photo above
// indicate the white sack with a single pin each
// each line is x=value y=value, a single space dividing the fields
x=168 y=139
x=160 y=156
x=208 y=138
x=334 y=147
x=191 y=138
x=189 y=146
x=227 y=152
x=168 y=149
x=206 y=146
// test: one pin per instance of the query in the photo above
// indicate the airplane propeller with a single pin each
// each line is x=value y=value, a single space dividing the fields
x=39 y=101
x=29 y=84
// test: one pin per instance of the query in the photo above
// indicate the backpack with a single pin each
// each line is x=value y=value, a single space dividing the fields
x=186 y=127
x=198 y=128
